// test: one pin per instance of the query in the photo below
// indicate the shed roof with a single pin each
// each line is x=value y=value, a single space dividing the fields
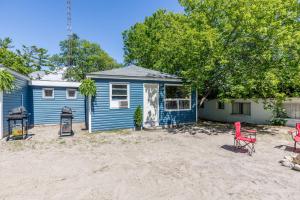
x=134 y=72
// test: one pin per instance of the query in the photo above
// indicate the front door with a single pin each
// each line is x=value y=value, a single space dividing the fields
x=151 y=105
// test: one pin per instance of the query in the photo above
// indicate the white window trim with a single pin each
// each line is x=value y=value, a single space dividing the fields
x=44 y=97
x=110 y=94
x=67 y=93
x=172 y=99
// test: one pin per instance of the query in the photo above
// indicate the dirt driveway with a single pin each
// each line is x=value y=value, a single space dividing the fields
x=147 y=165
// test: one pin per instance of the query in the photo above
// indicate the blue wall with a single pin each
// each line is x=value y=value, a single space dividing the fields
x=104 y=118
x=47 y=111
x=175 y=117
x=14 y=99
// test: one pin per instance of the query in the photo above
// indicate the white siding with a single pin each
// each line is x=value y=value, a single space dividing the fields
x=259 y=115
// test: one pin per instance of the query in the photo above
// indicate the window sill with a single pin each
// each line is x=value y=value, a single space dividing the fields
x=240 y=114
x=168 y=110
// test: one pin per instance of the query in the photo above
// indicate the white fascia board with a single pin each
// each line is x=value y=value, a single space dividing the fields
x=15 y=73
x=54 y=83
x=134 y=78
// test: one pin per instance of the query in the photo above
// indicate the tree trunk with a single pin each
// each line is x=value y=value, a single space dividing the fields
x=208 y=92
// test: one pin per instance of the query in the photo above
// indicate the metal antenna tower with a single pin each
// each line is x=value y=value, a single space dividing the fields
x=70 y=34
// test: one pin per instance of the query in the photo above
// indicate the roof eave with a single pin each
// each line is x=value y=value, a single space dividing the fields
x=98 y=76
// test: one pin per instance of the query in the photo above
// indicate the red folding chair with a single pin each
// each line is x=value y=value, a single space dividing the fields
x=296 y=136
x=248 y=141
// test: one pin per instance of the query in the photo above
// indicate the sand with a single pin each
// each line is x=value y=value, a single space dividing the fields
x=147 y=165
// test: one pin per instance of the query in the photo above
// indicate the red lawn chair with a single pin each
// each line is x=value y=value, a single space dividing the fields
x=295 y=137
x=247 y=141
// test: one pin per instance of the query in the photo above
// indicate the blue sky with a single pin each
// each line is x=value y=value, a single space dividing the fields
x=43 y=22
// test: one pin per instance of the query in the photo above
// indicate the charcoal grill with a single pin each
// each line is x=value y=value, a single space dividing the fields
x=17 y=123
x=66 y=118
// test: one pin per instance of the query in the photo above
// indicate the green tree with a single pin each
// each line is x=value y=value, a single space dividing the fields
x=6 y=81
x=6 y=43
x=13 y=61
x=225 y=48
x=86 y=57
x=35 y=57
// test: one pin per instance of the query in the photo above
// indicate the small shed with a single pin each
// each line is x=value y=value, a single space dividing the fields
x=163 y=98
x=48 y=97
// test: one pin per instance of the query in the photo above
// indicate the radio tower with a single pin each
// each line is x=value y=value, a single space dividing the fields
x=70 y=34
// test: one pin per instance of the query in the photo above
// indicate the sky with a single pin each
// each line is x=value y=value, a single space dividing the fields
x=43 y=22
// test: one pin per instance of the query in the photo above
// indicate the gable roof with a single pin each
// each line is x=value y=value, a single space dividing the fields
x=135 y=73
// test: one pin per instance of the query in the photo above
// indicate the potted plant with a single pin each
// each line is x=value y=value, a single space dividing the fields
x=138 y=118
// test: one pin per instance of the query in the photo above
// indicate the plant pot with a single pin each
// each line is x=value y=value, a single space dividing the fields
x=138 y=128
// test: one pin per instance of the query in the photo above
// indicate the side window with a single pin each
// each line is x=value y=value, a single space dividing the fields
x=71 y=94
x=119 y=95
x=221 y=105
x=177 y=98
x=48 y=93
x=241 y=108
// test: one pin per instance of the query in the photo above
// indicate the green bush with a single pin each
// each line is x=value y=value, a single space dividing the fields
x=6 y=81
x=138 y=117
x=88 y=87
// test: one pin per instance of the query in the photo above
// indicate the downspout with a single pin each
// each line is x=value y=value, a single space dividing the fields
x=90 y=114
x=1 y=115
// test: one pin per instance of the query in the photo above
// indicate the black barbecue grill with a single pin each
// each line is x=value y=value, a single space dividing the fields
x=66 y=118
x=17 y=123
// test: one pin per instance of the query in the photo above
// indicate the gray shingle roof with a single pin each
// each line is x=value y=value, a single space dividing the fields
x=135 y=72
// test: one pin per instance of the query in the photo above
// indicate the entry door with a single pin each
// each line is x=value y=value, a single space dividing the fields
x=151 y=105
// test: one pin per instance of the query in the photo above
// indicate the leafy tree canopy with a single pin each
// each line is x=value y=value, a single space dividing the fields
x=35 y=58
x=6 y=81
x=88 y=87
x=86 y=57
x=10 y=59
x=229 y=48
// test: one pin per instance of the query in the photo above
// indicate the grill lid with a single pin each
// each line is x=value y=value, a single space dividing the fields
x=66 y=110
x=18 y=111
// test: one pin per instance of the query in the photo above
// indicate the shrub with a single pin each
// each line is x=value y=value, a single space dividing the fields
x=138 y=117
x=88 y=87
x=6 y=81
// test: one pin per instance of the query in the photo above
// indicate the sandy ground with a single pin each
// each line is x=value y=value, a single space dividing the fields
x=160 y=164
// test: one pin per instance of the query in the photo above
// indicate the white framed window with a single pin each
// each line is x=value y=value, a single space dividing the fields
x=71 y=93
x=48 y=93
x=177 y=98
x=241 y=108
x=119 y=95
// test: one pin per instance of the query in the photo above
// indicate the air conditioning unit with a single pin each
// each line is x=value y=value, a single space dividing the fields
x=123 y=104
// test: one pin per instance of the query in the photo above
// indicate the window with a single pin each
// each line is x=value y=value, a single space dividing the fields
x=71 y=94
x=177 y=98
x=221 y=105
x=241 y=108
x=48 y=93
x=119 y=95
x=292 y=110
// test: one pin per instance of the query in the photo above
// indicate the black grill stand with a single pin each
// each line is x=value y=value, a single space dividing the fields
x=66 y=120
x=18 y=117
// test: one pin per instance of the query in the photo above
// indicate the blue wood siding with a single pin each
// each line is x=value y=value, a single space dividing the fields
x=14 y=98
x=175 y=117
x=104 y=118
x=47 y=111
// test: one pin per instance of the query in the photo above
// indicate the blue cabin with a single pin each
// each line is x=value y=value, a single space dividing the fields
x=163 y=98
